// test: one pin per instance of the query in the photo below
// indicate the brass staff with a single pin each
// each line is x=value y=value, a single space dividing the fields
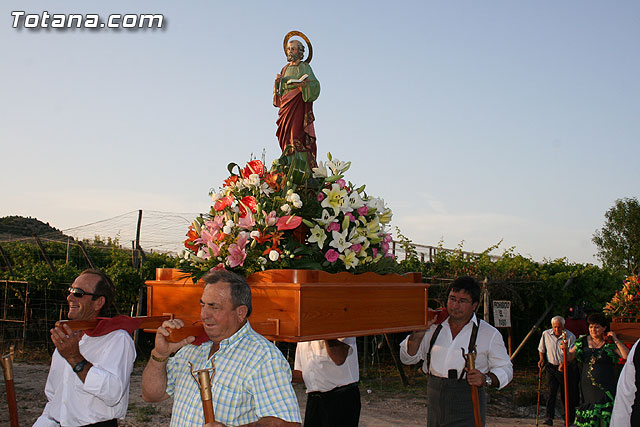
x=204 y=384
x=470 y=359
x=7 y=367
x=566 y=378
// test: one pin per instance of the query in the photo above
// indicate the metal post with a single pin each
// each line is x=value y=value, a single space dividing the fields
x=537 y=325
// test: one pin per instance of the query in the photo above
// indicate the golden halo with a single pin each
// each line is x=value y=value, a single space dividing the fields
x=306 y=39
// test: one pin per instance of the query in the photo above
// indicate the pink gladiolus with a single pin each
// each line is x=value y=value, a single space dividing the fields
x=271 y=219
x=385 y=247
x=355 y=248
x=363 y=210
x=351 y=217
x=215 y=249
x=320 y=196
x=375 y=252
x=236 y=255
x=243 y=238
x=247 y=222
x=331 y=255
x=333 y=226
x=341 y=182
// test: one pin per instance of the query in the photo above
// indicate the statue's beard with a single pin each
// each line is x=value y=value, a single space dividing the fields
x=294 y=57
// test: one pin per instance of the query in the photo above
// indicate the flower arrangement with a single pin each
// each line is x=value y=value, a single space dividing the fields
x=626 y=301
x=263 y=219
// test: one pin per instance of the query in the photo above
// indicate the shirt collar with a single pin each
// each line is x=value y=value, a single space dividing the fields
x=471 y=321
x=237 y=337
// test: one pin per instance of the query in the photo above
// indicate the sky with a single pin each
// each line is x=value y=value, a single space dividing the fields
x=476 y=121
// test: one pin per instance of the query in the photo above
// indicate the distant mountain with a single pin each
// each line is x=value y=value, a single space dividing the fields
x=19 y=226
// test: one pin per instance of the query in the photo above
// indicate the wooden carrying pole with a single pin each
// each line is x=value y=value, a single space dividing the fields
x=475 y=399
x=566 y=378
x=7 y=367
x=151 y=322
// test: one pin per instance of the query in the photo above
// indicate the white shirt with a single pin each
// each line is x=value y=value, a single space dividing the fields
x=551 y=345
x=625 y=393
x=104 y=395
x=446 y=353
x=319 y=372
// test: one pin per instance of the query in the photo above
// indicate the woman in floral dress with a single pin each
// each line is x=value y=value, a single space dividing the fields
x=598 y=353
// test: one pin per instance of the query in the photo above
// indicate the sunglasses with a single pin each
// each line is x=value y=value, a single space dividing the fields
x=79 y=293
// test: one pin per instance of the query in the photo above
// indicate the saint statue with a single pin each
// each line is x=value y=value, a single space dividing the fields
x=294 y=91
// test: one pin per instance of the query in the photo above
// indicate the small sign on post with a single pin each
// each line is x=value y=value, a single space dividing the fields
x=502 y=314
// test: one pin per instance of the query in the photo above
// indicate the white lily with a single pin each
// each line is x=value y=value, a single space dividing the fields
x=349 y=259
x=320 y=171
x=335 y=198
x=317 y=236
x=325 y=219
x=340 y=241
x=355 y=201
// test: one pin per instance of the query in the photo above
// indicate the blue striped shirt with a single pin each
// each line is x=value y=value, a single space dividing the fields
x=252 y=380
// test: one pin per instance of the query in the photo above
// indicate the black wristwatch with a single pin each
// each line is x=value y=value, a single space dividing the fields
x=78 y=367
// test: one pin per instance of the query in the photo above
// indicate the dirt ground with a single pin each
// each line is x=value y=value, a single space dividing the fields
x=379 y=407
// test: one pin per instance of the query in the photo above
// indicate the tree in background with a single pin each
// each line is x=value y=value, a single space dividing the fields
x=618 y=241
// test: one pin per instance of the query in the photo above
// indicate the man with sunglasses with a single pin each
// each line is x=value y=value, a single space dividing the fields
x=88 y=383
x=448 y=392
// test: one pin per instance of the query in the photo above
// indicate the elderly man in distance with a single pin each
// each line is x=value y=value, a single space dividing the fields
x=551 y=347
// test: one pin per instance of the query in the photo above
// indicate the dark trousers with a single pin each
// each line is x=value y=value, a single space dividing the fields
x=555 y=381
x=449 y=403
x=339 y=407
x=110 y=423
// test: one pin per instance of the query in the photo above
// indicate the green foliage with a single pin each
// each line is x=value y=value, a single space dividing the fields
x=618 y=241
x=28 y=264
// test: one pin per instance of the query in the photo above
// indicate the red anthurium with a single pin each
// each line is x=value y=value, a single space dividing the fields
x=222 y=203
x=288 y=222
x=247 y=202
x=254 y=166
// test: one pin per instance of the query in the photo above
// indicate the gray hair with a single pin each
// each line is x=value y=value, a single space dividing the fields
x=238 y=286
x=557 y=319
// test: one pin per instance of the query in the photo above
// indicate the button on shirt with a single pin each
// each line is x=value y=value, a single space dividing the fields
x=446 y=352
x=252 y=380
x=103 y=396
x=319 y=372
x=552 y=346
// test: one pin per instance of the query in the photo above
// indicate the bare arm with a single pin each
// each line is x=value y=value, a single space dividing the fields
x=413 y=343
x=154 y=376
x=337 y=350
x=621 y=349
x=296 y=376
x=541 y=361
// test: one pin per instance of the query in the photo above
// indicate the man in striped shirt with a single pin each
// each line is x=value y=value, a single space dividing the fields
x=252 y=380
